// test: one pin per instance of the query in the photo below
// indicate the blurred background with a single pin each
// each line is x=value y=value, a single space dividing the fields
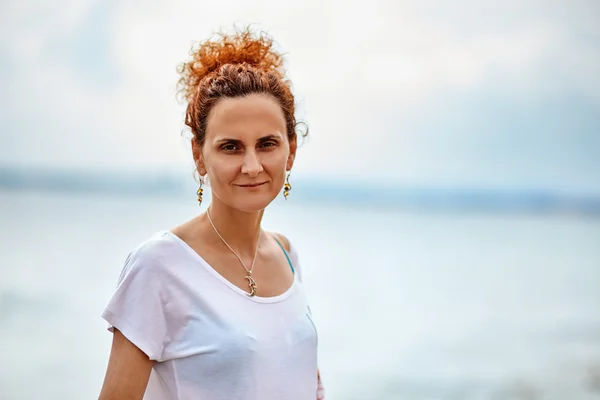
x=446 y=205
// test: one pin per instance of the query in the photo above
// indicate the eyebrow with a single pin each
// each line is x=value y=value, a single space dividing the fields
x=262 y=139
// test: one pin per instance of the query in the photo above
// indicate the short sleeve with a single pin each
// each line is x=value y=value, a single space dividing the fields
x=136 y=308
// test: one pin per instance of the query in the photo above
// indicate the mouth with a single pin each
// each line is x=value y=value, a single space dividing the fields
x=251 y=185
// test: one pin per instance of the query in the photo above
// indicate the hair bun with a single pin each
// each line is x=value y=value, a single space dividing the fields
x=241 y=47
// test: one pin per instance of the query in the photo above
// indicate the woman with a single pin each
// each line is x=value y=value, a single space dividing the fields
x=214 y=309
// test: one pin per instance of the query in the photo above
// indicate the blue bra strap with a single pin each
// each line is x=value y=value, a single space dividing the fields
x=286 y=254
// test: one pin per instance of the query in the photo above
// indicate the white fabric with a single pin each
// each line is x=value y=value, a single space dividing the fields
x=210 y=339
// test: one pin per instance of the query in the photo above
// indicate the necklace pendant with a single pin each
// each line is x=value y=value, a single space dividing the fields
x=252 y=284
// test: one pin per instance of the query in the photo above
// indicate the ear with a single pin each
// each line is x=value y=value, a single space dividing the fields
x=292 y=155
x=198 y=158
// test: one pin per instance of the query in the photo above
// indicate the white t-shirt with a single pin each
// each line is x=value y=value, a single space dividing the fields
x=210 y=339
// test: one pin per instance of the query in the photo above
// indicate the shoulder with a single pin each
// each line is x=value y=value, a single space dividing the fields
x=291 y=250
x=289 y=247
x=283 y=240
x=152 y=256
x=157 y=247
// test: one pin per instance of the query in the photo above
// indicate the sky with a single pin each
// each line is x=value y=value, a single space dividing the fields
x=452 y=93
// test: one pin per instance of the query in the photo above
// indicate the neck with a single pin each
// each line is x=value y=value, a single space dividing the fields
x=239 y=228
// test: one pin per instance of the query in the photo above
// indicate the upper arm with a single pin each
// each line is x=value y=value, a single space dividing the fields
x=137 y=306
x=128 y=371
x=138 y=319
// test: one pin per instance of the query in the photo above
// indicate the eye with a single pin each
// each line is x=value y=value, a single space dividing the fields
x=230 y=147
x=269 y=143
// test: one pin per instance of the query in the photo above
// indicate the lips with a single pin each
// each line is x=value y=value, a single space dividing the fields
x=250 y=185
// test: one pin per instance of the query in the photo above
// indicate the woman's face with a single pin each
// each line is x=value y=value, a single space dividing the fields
x=246 y=152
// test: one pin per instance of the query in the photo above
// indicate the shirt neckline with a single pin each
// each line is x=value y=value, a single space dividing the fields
x=216 y=274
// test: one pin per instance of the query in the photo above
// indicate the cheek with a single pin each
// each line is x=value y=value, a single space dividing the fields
x=223 y=171
x=278 y=158
x=276 y=164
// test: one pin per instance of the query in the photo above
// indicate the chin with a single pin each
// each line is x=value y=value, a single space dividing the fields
x=253 y=203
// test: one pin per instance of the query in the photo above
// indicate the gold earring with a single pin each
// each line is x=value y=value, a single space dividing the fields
x=287 y=187
x=199 y=193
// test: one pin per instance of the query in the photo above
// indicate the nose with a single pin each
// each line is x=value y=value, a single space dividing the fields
x=252 y=165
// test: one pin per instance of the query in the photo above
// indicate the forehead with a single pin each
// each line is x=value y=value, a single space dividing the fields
x=245 y=117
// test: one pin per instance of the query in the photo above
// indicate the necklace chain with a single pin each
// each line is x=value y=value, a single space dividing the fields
x=251 y=281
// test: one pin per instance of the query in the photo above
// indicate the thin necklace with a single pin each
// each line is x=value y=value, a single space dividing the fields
x=251 y=281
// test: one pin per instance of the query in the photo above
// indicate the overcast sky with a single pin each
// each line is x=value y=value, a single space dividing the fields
x=477 y=93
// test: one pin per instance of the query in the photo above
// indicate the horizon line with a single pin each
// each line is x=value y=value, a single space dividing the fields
x=316 y=189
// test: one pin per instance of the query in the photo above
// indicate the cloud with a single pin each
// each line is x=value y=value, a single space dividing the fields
x=93 y=84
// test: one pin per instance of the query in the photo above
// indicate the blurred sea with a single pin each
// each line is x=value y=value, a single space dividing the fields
x=415 y=305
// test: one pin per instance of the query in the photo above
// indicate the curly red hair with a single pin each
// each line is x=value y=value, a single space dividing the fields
x=230 y=66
